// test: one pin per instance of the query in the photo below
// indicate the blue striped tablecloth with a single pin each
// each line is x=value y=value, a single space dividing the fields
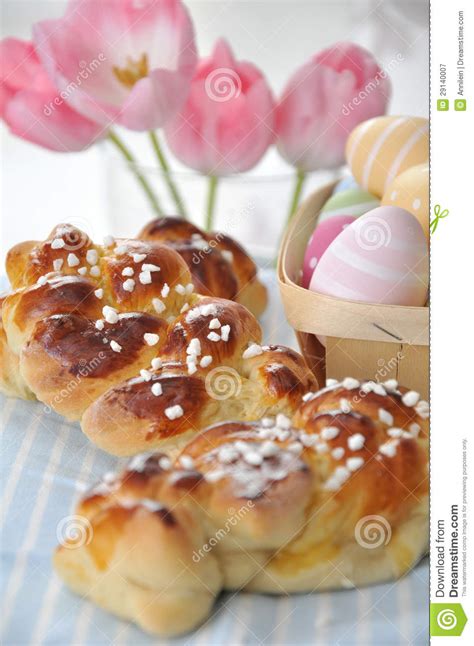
x=46 y=463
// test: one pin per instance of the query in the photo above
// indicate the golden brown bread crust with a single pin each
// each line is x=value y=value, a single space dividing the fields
x=69 y=275
x=334 y=497
x=218 y=264
x=128 y=419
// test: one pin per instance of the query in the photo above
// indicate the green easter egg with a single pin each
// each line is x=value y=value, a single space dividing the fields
x=354 y=201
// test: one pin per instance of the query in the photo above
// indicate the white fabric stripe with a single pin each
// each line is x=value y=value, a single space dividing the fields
x=20 y=460
x=361 y=132
x=82 y=624
x=364 y=609
x=361 y=263
x=384 y=135
x=402 y=153
x=7 y=411
x=322 y=622
x=49 y=601
x=31 y=534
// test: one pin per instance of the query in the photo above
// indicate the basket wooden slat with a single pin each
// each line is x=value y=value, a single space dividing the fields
x=362 y=340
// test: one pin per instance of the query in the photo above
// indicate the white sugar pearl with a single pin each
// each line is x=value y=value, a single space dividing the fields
x=57 y=264
x=108 y=241
x=253 y=458
x=388 y=449
x=180 y=289
x=128 y=271
x=138 y=257
x=129 y=285
x=252 y=351
x=165 y=290
x=214 y=476
x=158 y=305
x=150 y=267
x=411 y=398
x=145 y=374
x=282 y=421
x=283 y=435
x=156 y=363
x=206 y=361
x=186 y=461
x=241 y=446
x=321 y=448
x=120 y=249
x=227 y=454
x=269 y=449
x=173 y=412
x=295 y=447
x=72 y=260
x=414 y=428
x=225 y=331
x=356 y=442
x=116 y=347
x=212 y=336
x=228 y=255
x=330 y=383
x=82 y=271
x=156 y=389
x=385 y=417
x=164 y=463
x=354 y=463
x=345 y=405
x=349 y=383
x=395 y=432
x=214 y=324
x=189 y=288
x=151 y=339
x=110 y=314
x=57 y=243
x=194 y=347
x=92 y=256
x=338 y=453
x=329 y=433
x=391 y=384
x=145 y=277
x=99 y=292
x=99 y=324
x=267 y=422
x=95 y=271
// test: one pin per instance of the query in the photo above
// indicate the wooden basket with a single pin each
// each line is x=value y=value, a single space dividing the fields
x=376 y=342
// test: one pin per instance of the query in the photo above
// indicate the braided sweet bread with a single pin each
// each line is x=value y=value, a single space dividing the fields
x=116 y=336
x=334 y=497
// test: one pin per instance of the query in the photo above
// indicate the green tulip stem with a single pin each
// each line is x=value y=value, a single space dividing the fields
x=173 y=189
x=132 y=164
x=211 y=202
x=299 y=181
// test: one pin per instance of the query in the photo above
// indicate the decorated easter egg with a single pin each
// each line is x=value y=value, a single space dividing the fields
x=382 y=257
x=345 y=184
x=380 y=149
x=353 y=202
x=322 y=237
x=411 y=191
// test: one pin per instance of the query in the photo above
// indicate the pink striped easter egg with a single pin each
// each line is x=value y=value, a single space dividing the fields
x=322 y=237
x=382 y=257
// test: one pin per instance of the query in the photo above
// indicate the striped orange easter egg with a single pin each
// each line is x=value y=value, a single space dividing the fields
x=379 y=149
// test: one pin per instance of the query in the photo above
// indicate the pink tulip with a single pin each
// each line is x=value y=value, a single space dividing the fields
x=31 y=106
x=125 y=61
x=324 y=100
x=226 y=124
